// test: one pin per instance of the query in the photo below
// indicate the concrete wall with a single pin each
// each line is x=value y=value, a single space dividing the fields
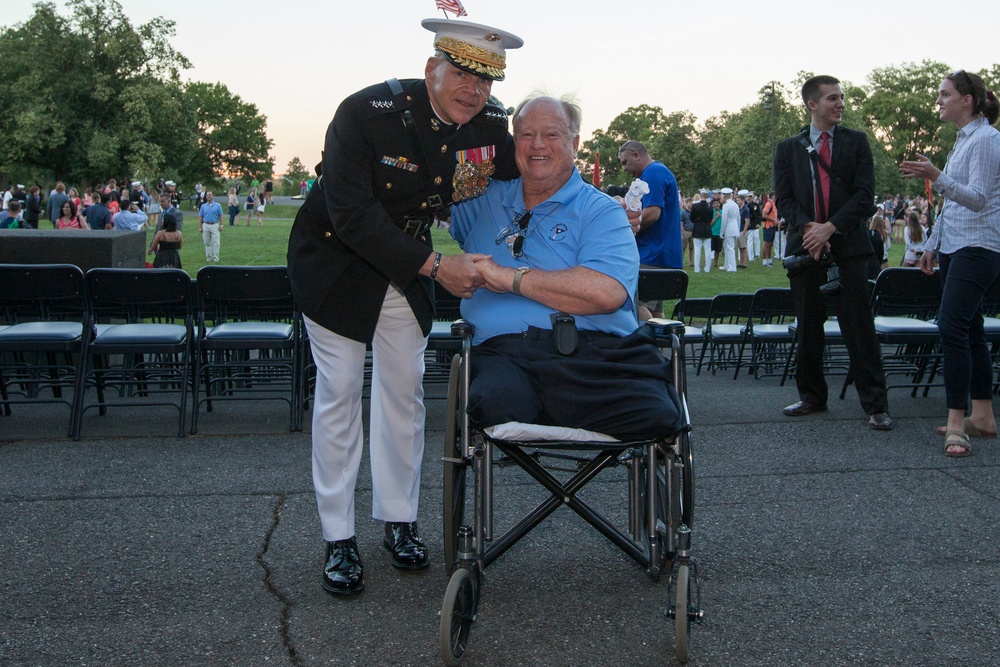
x=86 y=248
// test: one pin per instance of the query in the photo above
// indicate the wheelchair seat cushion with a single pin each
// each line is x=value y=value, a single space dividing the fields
x=521 y=432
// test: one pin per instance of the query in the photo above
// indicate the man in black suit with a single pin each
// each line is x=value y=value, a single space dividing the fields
x=825 y=182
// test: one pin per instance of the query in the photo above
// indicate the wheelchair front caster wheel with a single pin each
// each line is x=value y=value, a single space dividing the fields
x=682 y=620
x=458 y=613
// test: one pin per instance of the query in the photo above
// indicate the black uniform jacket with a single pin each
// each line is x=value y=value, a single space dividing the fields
x=701 y=216
x=346 y=244
x=852 y=190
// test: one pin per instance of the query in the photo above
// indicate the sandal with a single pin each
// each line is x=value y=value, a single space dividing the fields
x=970 y=429
x=956 y=444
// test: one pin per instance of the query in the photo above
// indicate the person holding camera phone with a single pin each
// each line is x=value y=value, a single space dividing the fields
x=825 y=182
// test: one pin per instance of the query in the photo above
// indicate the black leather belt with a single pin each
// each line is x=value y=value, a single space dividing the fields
x=416 y=226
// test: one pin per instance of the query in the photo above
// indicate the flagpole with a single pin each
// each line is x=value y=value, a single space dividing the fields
x=445 y=14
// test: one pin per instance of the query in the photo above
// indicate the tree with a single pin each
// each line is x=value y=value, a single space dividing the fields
x=295 y=173
x=106 y=101
x=114 y=104
x=231 y=134
x=898 y=106
x=740 y=143
x=670 y=138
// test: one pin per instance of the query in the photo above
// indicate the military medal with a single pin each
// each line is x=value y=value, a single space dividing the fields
x=473 y=171
x=399 y=162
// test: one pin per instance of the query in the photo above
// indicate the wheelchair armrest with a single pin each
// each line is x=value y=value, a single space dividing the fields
x=664 y=329
x=462 y=328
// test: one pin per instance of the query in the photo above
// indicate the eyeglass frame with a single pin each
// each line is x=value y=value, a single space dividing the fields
x=518 y=225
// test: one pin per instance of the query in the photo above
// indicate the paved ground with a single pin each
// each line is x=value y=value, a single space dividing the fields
x=819 y=541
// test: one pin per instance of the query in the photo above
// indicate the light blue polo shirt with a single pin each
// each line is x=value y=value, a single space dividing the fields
x=210 y=212
x=578 y=226
x=129 y=221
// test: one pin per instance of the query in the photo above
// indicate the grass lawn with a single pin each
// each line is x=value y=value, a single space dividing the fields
x=267 y=245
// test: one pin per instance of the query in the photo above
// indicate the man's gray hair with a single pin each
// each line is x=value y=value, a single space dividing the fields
x=569 y=104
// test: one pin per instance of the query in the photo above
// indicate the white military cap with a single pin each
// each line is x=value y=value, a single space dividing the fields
x=742 y=193
x=475 y=48
x=726 y=191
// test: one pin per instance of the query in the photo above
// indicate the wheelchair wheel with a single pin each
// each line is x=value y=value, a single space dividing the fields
x=454 y=473
x=682 y=621
x=458 y=612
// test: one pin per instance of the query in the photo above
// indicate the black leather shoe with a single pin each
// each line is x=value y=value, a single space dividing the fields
x=408 y=550
x=343 y=571
x=880 y=421
x=803 y=408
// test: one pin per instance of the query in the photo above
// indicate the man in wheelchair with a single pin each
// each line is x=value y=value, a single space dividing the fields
x=555 y=338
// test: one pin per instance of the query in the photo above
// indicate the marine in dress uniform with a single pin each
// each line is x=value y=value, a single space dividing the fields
x=363 y=271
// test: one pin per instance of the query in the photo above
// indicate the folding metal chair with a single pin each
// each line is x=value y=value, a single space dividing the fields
x=42 y=314
x=904 y=304
x=724 y=329
x=693 y=313
x=767 y=330
x=139 y=341
x=442 y=344
x=248 y=339
x=664 y=285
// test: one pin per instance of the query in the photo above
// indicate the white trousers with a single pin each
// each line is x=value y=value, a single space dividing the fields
x=210 y=235
x=703 y=247
x=396 y=444
x=729 y=260
x=753 y=244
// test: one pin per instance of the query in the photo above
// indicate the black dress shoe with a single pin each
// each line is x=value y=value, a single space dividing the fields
x=408 y=550
x=343 y=571
x=880 y=421
x=803 y=408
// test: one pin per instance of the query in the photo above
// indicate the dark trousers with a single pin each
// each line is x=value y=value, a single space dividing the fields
x=611 y=384
x=856 y=325
x=966 y=275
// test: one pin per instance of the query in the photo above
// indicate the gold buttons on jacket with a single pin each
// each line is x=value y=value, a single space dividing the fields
x=327 y=235
x=423 y=204
x=444 y=149
x=388 y=186
x=437 y=181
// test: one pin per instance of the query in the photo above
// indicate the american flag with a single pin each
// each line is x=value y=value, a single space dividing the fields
x=453 y=6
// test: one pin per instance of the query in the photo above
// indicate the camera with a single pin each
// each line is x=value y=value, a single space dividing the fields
x=796 y=265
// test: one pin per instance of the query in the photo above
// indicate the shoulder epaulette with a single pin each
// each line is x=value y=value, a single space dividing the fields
x=493 y=115
x=385 y=98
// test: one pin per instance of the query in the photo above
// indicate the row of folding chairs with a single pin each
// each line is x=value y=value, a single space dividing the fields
x=758 y=332
x=148 y=337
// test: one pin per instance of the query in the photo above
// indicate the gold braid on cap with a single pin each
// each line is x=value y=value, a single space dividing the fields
x=474 y=57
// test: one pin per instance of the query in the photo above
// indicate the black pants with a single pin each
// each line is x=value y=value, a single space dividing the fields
x=966 y=275
x=614 y=385
x=856 y=325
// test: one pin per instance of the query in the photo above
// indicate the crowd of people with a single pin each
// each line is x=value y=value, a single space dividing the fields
x=759 y=232
x=99 y=207
x=134 y=206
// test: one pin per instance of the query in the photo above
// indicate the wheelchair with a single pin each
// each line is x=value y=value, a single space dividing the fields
x=660 y=492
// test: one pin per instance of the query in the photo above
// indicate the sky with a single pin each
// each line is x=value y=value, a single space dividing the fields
x=297 y=59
